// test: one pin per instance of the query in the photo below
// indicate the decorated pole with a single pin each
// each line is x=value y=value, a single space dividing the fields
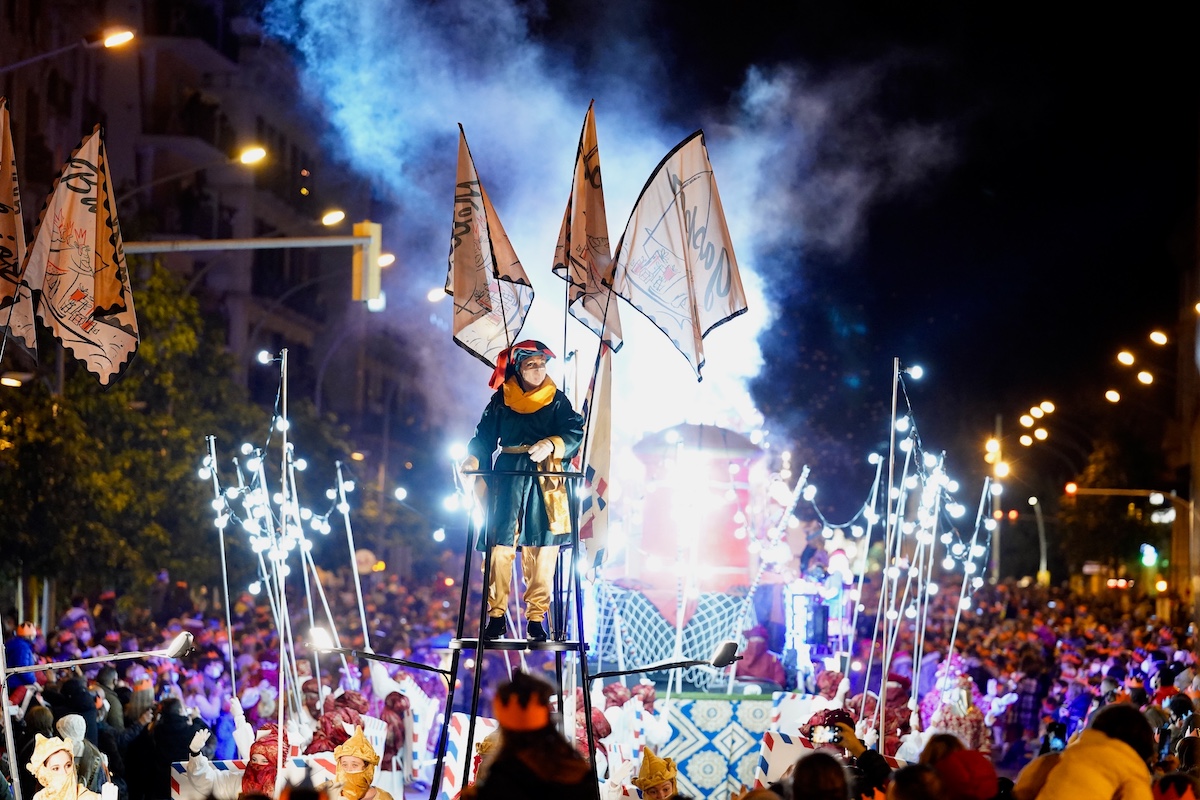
x=344 y=507
x=889 y=523
x=210 y=463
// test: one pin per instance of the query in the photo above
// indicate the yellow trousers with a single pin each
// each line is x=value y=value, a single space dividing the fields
x=537 y=563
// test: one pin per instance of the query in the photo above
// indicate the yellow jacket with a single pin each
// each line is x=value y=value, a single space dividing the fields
x=1098 y=768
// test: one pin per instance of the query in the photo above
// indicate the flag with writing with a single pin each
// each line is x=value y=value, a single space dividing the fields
x=77 y=258
x=593 y=518
x=16 y=297
x=582 y=255
x=491 y=292
x=675 y=261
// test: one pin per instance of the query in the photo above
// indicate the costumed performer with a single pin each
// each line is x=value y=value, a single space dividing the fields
x=260 y=776
x=53 y=764
x=656 y=778
x=536 y=429
x=356 y=761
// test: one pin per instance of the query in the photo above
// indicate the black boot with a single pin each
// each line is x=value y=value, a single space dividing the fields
x=534 y=632
x=495 y=628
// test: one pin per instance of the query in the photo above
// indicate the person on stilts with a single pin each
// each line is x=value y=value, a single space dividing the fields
x=536 y=429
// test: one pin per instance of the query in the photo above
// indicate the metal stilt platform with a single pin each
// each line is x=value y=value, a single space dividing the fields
x=559 y=642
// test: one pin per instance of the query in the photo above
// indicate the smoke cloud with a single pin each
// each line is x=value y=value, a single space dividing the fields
x=799 y=162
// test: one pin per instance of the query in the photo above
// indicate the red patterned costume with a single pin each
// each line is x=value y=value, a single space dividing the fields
x=395 y=705
x=344 y=710
x=263 y=765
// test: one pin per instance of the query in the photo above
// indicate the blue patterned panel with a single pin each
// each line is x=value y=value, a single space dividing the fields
x=715 y=742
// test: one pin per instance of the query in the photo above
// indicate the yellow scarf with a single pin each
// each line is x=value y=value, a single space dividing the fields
x=554 y=490
x=524 y=402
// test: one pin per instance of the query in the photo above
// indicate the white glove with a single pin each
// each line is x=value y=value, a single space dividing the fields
x=619 y=774
x=541 y=450
x=617 y=778
x=198 y=741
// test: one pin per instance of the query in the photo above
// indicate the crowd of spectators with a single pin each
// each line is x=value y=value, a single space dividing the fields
x=1066 y=662
x=146 y=711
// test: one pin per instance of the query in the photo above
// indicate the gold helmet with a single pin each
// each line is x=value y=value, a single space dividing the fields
x=358 y=746
x=654 y=771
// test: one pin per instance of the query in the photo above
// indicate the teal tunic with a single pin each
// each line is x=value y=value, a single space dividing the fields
x=515 y=502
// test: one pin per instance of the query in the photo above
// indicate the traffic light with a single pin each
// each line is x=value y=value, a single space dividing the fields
x=366 y=284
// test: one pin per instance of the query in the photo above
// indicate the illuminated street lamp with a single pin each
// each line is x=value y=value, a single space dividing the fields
x=250 y=155
x=1043 y=575
x=112 y=37
x=332 y=217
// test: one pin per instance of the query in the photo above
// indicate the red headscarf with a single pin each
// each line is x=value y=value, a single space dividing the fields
x=260 y=778
x=513 y=357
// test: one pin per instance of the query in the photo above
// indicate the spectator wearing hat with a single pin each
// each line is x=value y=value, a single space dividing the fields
x=78 y=615
x=534 y=760
x=19 y=652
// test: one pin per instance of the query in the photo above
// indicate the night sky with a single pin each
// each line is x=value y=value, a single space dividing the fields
x=1057 y=228
x=1002 y=194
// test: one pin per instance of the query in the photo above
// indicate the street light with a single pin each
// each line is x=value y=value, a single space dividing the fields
x=1043 y=576
x=249 y=155
x=112 y=37
x=724 y=654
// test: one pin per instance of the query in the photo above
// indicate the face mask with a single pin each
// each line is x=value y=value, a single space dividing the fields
x=354 y=784
x=259 y=779
x=214 y=671
x=59 y=785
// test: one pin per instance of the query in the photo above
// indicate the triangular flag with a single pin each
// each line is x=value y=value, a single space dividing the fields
x=593 y=518
x=16 y=297
x=675 y=262
x=77 y=257
x=582 y=255
x=491 y=293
